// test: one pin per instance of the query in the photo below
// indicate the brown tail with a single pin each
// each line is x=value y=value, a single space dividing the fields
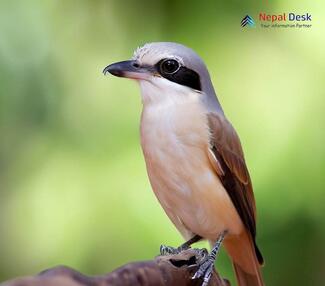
x=247 y=279
x=245 y=260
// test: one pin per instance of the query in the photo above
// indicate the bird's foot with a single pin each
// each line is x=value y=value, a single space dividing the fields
x=205 y=270
x=169 y=250
x=202 y=254
x=206 y=266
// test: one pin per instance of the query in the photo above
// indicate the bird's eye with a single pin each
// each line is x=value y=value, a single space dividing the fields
x=169 y=66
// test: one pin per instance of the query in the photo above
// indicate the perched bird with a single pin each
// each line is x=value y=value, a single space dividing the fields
x=194 y=158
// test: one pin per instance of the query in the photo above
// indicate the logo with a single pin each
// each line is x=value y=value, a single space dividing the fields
x=247 y=21
x=285 y=20
x=279 y=20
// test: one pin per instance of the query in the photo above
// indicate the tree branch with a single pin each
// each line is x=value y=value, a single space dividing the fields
x=169 y=270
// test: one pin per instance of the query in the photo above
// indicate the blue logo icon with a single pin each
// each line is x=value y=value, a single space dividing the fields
x=247 y=21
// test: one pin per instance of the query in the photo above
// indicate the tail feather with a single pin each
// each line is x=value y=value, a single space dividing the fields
x=246 y=258
x=247 y=279
x=259 y=255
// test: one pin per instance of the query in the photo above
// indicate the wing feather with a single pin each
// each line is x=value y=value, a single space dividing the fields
x=234 y=175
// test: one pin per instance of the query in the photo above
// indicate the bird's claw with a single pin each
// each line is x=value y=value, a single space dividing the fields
x=205 y=271
x=169 y=250
x=202 y=253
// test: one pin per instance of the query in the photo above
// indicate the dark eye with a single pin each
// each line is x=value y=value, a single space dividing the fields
x=169 y=66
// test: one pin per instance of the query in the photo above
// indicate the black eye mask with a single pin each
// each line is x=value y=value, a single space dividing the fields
x=182 y=75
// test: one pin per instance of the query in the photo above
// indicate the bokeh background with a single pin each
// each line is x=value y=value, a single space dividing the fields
x=73 y=184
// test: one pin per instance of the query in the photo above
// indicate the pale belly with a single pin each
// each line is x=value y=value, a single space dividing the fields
x=181 y=175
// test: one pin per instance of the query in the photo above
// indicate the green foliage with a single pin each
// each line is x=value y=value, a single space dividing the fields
x=73 y=184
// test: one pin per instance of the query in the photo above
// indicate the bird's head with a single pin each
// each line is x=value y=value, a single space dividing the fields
x=167 y=67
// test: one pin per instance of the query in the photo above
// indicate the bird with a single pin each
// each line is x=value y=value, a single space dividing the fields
x=194 y=158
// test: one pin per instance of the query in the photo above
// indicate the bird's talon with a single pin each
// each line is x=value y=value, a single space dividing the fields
x=205 y=271
x=202 y=253
x=168 y=250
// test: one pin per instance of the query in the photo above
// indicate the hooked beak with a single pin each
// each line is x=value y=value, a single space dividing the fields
x=128 y=69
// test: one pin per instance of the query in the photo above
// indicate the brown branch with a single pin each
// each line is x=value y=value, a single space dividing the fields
x=162 y=271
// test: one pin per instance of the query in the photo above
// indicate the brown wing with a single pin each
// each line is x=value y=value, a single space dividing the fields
x=226 y=148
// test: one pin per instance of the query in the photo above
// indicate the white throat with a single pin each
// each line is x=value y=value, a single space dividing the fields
x=162 y=92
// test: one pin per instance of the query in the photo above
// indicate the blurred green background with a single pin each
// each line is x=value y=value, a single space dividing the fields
x=73 y=184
